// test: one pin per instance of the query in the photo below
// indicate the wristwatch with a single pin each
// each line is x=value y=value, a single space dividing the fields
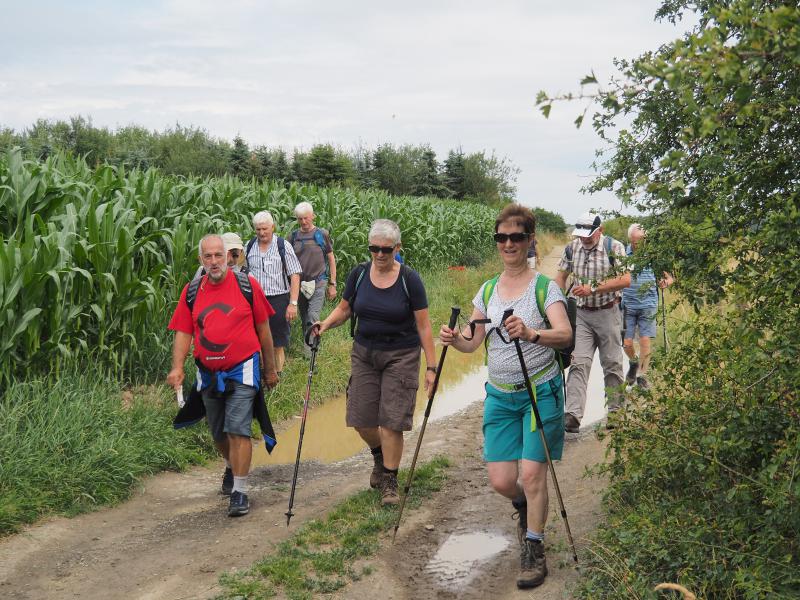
x=431 y=369
x=536 y=338
x=293 y=302
x=593 y=287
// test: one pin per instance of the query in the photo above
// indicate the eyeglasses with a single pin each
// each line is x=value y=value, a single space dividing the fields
x=516 y=237
x=381 y=249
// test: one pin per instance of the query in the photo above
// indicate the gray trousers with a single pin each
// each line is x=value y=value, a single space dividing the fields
x=598 y=329
x=311 y=308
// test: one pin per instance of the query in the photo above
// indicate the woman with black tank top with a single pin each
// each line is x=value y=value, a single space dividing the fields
x=390 y=306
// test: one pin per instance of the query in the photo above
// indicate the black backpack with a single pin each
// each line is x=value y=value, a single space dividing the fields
x=243 y=279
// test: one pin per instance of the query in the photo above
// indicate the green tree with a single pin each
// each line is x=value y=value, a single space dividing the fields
x=239 y=163
x=549 y=221
x=454 y=174
x=323 y=165
x=702 y=137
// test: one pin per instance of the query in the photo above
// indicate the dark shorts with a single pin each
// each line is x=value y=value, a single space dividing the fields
x=231 y=414
x=278 y=324
x=383 y=387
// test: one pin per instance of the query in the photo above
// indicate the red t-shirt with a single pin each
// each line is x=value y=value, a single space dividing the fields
x=221 y=322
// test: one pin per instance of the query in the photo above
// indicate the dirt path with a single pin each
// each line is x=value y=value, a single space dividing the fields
x=172 y=539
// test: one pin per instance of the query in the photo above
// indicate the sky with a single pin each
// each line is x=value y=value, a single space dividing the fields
x=350 y=72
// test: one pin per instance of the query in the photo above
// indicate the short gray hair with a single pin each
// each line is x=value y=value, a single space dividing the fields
x=385 y=229
x=206 y=237
x=263 y=216
x=634 y=227
x=304 y=208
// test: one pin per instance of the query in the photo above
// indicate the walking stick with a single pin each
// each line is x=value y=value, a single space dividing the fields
x=454 y=311
x=313 y=343
x=540 y=427
x=664 y=319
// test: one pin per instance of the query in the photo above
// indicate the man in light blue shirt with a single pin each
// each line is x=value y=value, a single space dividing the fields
x=641 y=305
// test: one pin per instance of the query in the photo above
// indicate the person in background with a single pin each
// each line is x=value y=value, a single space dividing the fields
x=389 y=301
x=641 y=306
x=274 y=265
x=234 y=252
x=590 y=258
x=314 y=249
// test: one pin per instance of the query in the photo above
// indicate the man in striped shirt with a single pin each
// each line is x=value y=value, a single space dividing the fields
x=591 y=258
x=274 y=265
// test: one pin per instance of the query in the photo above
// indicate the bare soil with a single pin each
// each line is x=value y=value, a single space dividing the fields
x=172 y=539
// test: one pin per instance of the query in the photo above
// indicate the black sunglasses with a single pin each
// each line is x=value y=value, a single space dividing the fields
x=381 y=249
x=516 y=237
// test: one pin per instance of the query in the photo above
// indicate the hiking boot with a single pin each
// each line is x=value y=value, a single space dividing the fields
x=376 y=477
x=239 y=504
x=630 y=378
x=389 y=493
x=642 y=383
x=533 y=567
x=571 y=423
x=522 y=514
x=227 y=482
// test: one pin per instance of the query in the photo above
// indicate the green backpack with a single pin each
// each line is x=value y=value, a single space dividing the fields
x=563 y=355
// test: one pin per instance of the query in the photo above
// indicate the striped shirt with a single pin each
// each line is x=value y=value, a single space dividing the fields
x=267 y=267
x=643 y=291
x=592 y=267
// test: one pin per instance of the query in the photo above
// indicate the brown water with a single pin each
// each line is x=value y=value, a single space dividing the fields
x=328 y=440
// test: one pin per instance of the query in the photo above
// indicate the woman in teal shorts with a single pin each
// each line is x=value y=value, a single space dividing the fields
x=512 y=449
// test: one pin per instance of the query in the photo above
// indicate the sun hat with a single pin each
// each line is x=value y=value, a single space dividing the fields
x=587 y=224
x=232 y=241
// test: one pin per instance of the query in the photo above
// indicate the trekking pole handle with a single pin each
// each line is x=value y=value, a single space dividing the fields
x=507 y=313
x=454 y=312
x=311 y=340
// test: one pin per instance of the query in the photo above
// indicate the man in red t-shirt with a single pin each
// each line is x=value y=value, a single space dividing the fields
x=232 y=344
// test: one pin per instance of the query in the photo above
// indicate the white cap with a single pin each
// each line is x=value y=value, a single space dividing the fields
x=587 y=224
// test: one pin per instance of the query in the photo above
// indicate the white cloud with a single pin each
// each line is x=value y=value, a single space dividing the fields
x=298 y=73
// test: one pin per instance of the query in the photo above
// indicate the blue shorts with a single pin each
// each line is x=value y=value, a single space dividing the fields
x=507 y=431
x=232 y=414
x=644 y=319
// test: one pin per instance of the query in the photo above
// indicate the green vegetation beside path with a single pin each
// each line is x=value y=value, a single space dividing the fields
x=327 y=553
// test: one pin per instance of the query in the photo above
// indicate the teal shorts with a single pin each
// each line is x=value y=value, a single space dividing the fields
x=507 y=431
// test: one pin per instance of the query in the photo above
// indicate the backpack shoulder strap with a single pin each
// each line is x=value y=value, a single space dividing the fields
x=488 y=290
x=403 y=280
x=282 y=254
x=243 y=279
x=362 y=269
x=542 y=285
x=247 y=249
x=191 y=292
x=320 y=239
x=568 y=251
x=608 y=241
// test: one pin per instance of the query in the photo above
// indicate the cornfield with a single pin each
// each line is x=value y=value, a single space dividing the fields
x=92 y=261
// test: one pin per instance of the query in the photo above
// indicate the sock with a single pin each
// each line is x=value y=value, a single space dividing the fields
x=536 y=537
x=392 y=471
x=227 y=464
x=376 y=451
x=240 y=484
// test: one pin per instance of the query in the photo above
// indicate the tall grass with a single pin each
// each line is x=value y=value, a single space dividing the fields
x=73 y=443
x=93 y=261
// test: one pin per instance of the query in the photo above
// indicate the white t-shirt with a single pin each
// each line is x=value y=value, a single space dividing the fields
x=503 y=361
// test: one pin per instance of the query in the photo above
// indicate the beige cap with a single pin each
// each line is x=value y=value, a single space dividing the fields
x=232 y=241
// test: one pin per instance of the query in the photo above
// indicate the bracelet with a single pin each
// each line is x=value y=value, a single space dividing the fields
x=536 y=339
x=331 y=284
x=431 y=369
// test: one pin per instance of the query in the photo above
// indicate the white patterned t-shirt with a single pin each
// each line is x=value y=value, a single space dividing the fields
x=503 y=361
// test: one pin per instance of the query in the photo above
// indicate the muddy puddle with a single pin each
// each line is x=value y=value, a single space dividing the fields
x=328 y=440
x=459 y=558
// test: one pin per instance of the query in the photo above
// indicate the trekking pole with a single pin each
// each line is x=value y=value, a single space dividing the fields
x=664 y=319
x=454 y=311
x=540 y=427
x=313 y=342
